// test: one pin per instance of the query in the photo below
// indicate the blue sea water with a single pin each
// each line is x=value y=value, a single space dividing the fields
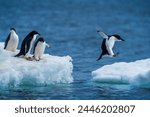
x=69 y=26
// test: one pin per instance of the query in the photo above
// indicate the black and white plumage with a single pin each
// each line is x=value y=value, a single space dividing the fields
x=12 y=40
x=108 y=44
x=39 y=48
x=28 y=44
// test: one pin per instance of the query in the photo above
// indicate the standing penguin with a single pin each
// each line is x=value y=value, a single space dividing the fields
x=108 y=44
x=12 y=40
x=39 y=48
x=28 y=44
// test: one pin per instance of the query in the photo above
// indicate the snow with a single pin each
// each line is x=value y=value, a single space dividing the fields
x=134 y=73
x=49 y=70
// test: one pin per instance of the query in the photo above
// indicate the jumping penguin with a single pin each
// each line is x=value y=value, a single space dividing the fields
x=12 y=40
x=108 y=44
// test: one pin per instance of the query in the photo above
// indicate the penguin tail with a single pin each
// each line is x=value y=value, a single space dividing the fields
x=98 y=58
x=5 y=47
x=19 y=54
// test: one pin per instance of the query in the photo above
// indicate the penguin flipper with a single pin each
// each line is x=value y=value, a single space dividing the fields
x=103 y=35
x=6 y=42
x=27 y=47
x=47 y=45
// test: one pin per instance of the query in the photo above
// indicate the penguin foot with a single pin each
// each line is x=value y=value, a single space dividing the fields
x=37 y=59
x=116 y=54
x=29 y=58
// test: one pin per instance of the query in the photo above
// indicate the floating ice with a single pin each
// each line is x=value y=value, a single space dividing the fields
x=135 y=73
x=49 y=70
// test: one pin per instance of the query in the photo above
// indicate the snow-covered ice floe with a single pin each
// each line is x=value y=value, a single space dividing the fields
x=135 y=73
x=49 y=70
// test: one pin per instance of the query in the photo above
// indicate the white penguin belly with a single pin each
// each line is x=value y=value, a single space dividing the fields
x=109 y=46
x=28 y=54
x=39 y=50
x=12 y=43
x=111 y=43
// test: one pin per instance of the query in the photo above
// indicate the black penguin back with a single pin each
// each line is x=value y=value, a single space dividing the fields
x=6 y=42
x=104 y=49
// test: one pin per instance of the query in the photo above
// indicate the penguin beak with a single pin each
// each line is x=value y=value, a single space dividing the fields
x=122 y=39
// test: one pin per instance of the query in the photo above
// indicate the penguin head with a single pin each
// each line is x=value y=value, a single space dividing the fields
x=13 y=29
x=34 y=33
x=41 y=39
x=117 y=37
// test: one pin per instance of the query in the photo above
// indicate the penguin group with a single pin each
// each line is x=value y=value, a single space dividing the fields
x=32 y=41
x=38 y=45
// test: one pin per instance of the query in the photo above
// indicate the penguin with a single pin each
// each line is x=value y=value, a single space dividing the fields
x=108 y=44
x=12 y=40
x=27 y=44
x=39 y=48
